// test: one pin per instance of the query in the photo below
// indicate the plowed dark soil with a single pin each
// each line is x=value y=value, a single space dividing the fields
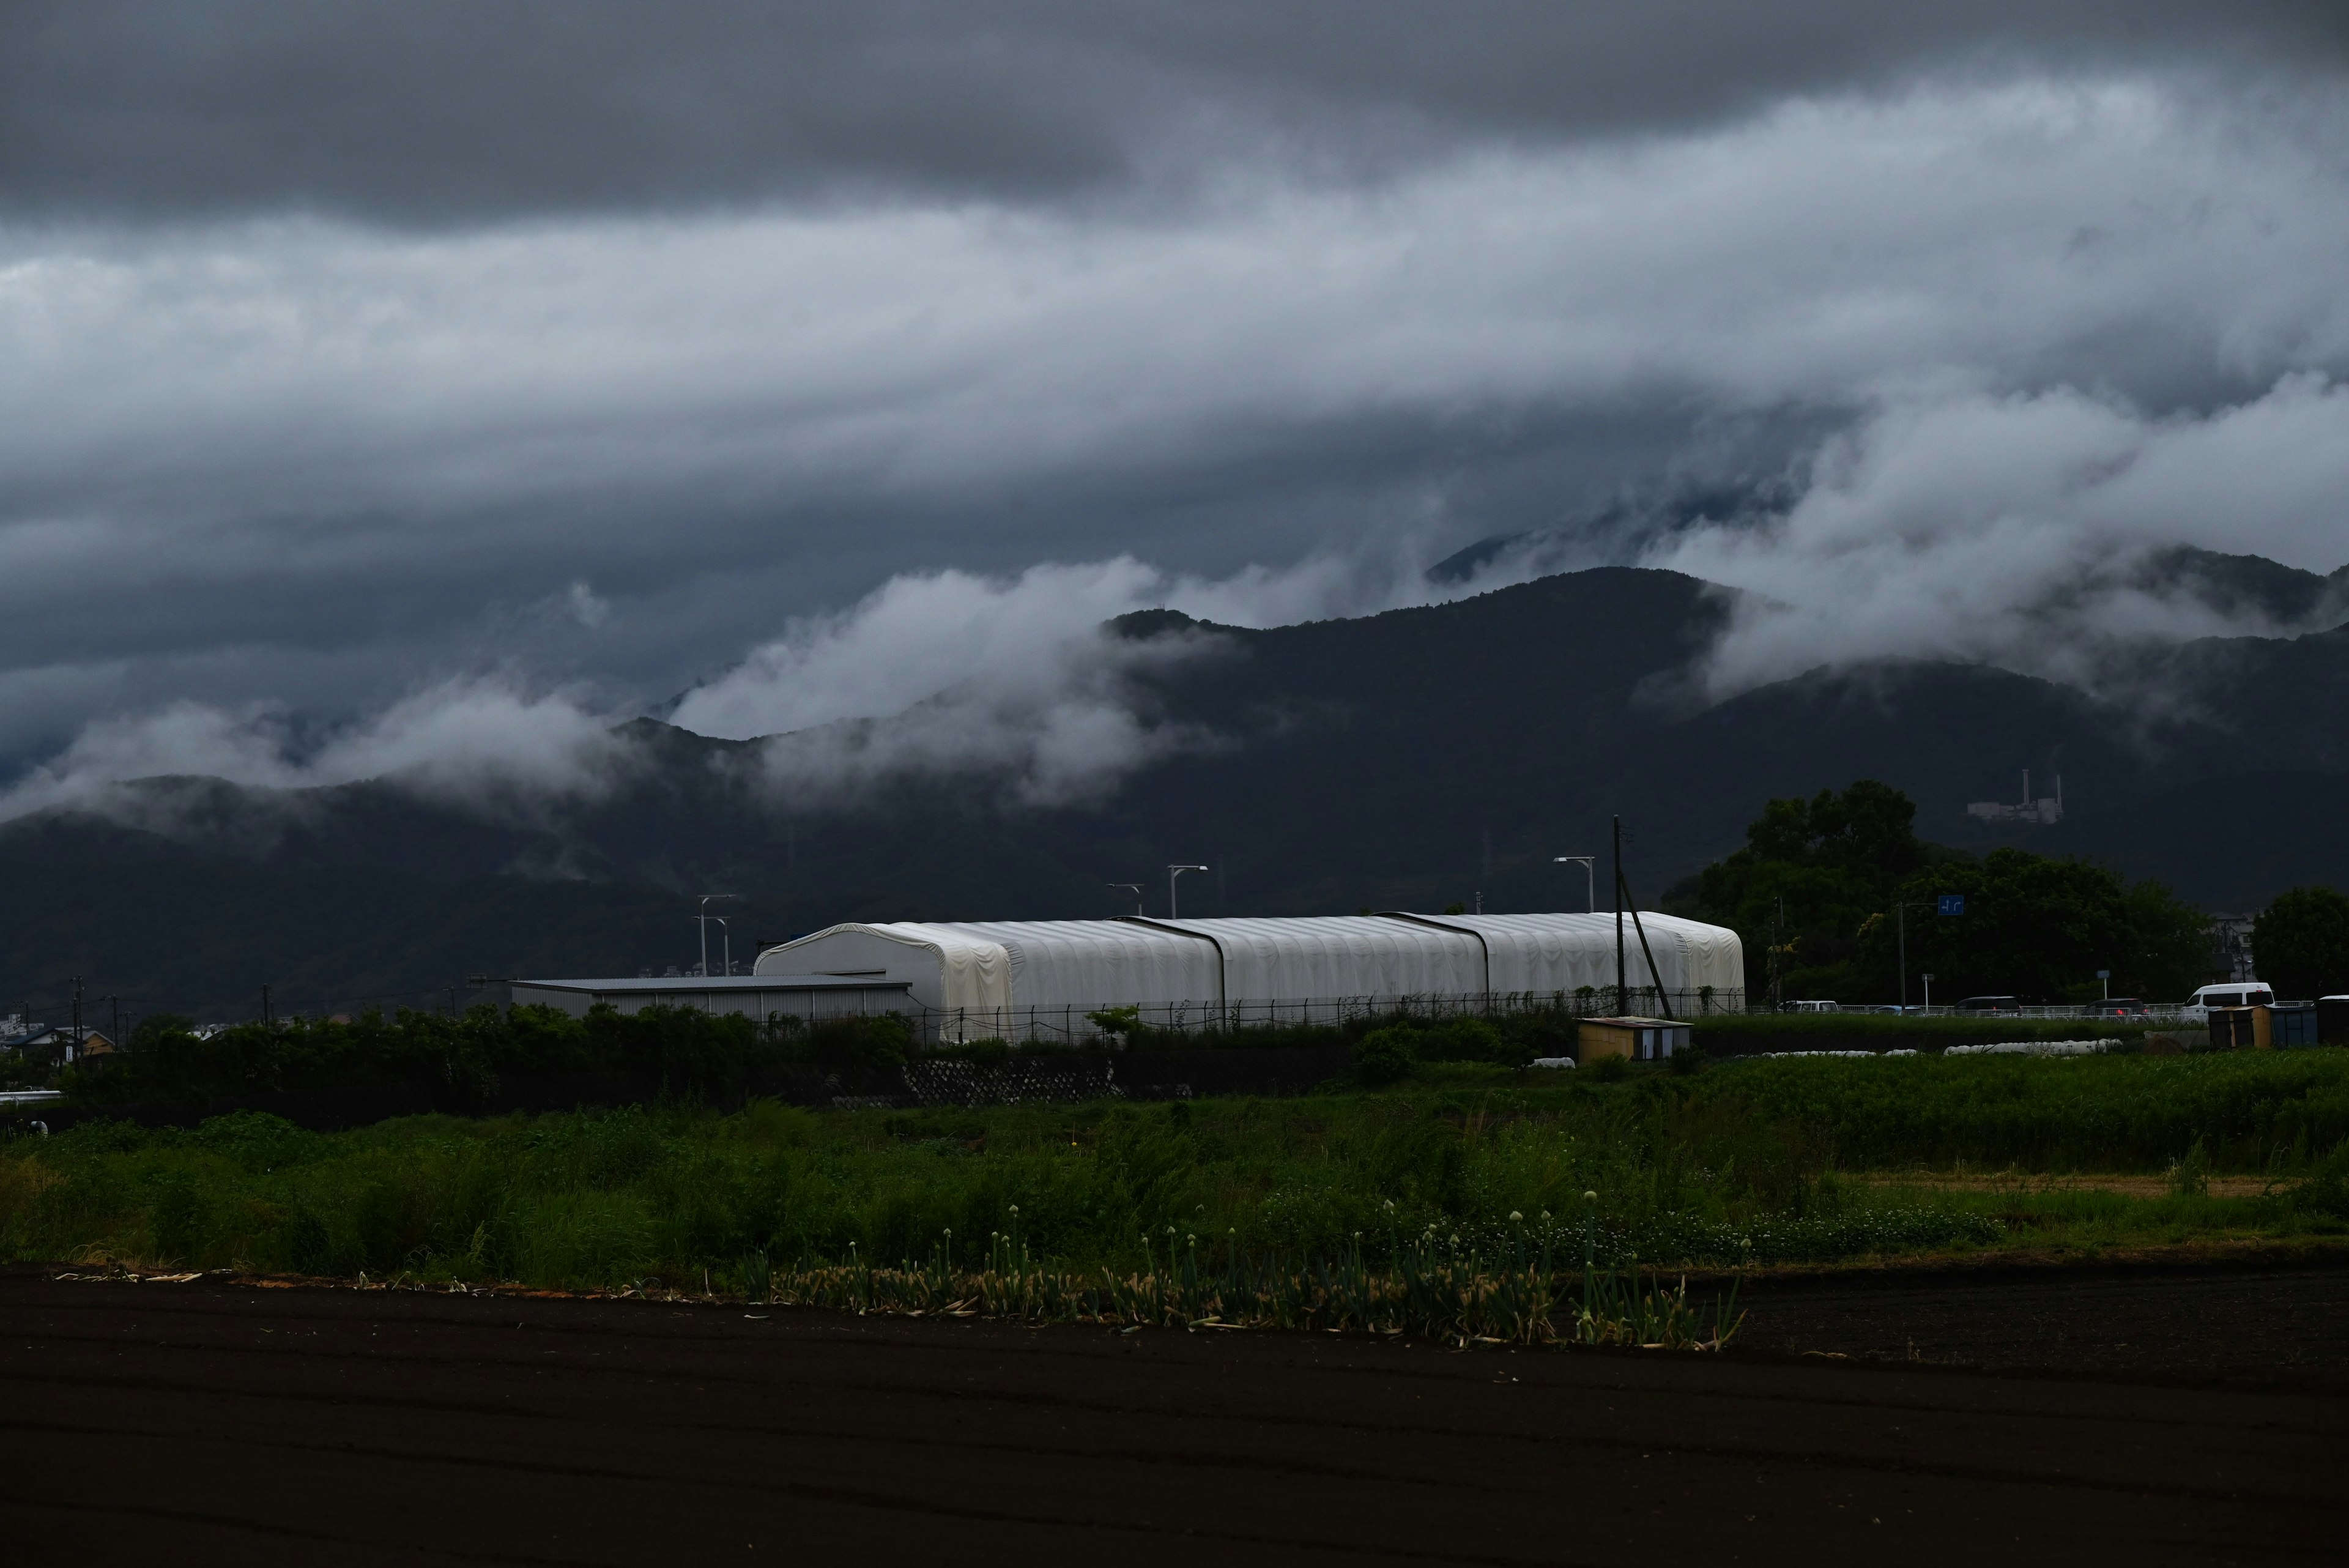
x=206 y=1422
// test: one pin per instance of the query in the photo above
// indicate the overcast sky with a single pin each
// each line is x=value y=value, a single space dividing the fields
x=382 y=383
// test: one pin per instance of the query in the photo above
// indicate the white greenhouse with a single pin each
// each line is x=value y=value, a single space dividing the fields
x=1043 y=977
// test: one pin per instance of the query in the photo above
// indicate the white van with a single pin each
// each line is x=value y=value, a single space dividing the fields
x=2233 y=993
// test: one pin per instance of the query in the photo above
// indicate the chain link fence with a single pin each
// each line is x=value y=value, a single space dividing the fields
x=1076 y=1024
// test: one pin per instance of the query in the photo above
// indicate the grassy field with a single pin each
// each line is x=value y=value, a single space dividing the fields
x=1742 y=1163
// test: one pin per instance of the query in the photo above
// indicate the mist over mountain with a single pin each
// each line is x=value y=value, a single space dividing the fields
x=1409 y=759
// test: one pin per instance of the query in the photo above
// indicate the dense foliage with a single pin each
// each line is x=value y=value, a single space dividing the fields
x=1750 y=1161
x=682 y=1051
x=1819 y=885
x=687 y=1050
x=2300 y=943
x=1810 y=875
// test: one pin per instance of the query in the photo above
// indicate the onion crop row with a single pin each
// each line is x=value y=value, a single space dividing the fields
x=1432 y=1289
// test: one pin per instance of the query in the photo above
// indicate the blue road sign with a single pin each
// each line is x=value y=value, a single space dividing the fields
x=1953 y=904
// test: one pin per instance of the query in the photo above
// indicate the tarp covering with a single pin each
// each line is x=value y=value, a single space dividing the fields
x=1549 y=953
x=969 y=966
x=1339 y=955
x=947 y=965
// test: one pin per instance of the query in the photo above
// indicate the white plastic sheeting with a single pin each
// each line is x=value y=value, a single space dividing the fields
x=947 y=966
x=1541 y=954
x=1080 y=964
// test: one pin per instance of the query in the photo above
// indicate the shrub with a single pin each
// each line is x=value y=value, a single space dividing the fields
x=1386 y=1055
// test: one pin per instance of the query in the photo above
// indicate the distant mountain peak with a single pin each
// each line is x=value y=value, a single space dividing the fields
x=1140 y=625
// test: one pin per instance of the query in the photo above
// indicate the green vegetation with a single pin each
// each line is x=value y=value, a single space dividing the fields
x=688 y=1051
x=2302 y=943
x=1817 y=886
x=684 y=1051
x=1745 y=1162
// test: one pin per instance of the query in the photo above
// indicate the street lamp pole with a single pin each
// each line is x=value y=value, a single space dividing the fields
x=1589 y=877
x=1901 y=911
x=1172 y=873
x=1132 y=887
x=702 y=918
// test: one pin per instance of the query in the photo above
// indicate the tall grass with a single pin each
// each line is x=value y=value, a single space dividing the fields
x=1739 y=1164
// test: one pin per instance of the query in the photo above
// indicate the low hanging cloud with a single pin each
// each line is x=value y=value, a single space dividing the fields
x=481 y=741
x=1015 y=682
x=1015 y=679
x=2064 y=319
x=2029 y=530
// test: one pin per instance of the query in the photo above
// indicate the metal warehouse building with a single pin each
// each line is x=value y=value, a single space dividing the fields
x=1010 y=976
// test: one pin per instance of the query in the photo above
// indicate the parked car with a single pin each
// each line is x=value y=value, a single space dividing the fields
x=2229 y=993
x=1814 y=1007
x=2116 y=1007
x=1989 y=1004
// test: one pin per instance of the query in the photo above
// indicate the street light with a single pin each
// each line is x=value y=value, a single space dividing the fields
x=1589 y=875
x=1132 y=887
x=703 y=919
x=1172 y=873
x=1900 y=913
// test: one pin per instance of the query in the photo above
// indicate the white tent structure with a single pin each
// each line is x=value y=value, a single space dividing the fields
x=1023 y=976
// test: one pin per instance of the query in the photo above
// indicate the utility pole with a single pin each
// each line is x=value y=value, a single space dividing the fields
x=77 y=1018
x=1778 y=951
x=267 y=1021
x=1172 y=873
x=1623 y=897
x=1622 y=1001
x=1901 y=911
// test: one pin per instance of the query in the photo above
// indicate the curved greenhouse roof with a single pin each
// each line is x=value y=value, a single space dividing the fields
x=1003 y=965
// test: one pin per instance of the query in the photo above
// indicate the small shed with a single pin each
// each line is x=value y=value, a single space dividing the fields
x=2241 y=1028
x=1639 y=1039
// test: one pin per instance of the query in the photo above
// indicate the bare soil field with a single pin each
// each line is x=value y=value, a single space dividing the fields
x=2145 y=1416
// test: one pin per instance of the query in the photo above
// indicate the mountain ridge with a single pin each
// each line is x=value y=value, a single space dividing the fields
x=1427 y=755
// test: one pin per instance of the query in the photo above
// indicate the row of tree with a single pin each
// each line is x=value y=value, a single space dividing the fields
x=680 y=1049
x=1823 y=889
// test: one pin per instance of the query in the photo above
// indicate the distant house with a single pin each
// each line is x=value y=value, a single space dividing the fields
x=55 y=1044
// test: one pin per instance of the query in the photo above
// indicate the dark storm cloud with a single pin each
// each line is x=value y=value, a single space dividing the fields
x=456 y=110
x=382 y=384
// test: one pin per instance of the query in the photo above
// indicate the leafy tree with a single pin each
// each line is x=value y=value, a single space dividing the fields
x=2300 y=943
x=1829 y=862
x=2038 y=929
x=2034 y=926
